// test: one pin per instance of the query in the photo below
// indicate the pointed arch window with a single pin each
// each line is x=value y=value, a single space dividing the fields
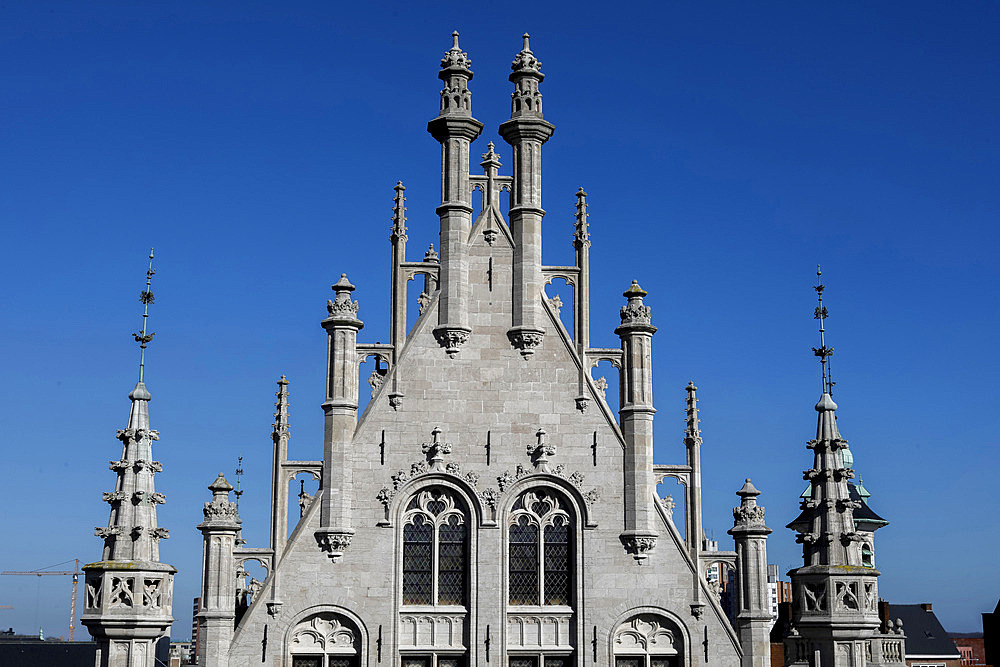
x=540 y=550
x=435 y=549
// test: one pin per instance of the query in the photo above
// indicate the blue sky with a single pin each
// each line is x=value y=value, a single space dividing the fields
x=727 y=149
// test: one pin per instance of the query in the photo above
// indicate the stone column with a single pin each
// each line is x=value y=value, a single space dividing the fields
x=279 y=485
x=217 y=617
x=455 y=128
x=636 y=413
x=341 y=418
x=526 y=131
x=753 y=612
x=398 y=288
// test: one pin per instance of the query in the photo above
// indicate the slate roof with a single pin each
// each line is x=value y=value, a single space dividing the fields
x=865 y=518
x=50 y=654
x=925 y=636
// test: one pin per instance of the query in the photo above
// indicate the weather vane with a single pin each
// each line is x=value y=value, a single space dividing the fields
x=146 y=297
x=823 y=352
x=239 y=479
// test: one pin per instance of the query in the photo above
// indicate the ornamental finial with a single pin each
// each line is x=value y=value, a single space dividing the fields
x=146 y=298
x=692 y=431
x=823 y=352
x=582 y=234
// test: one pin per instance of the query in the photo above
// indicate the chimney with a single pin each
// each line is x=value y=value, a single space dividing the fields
x=926 y=606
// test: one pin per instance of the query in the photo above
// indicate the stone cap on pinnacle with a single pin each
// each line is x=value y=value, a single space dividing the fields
x=634 y=290
x=826 y=404
x=220 y=485
x=748 y=490
x=455 y=58
x=525 y=62
x=139 y=392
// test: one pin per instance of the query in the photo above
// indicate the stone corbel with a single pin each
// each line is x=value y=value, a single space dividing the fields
x=526 y=339
x=334 y=541
x=638 y=544
x=273 y=608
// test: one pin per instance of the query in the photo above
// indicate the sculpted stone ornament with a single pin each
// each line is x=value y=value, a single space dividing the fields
x=582 y=403
x=273 y=608
x=634 y=313
x=334 y=542
x=423 y=300
x=396 y=400
x=526 y=339
x=541 y=451
x=638 y=545
x=452 y=338
x=436 y=450
x=342 y=307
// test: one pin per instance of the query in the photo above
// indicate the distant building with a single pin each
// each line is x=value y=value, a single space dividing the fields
x=927 y=643
x=30 y=650
x=971 y=647
x=777 y=591
x=991 y=636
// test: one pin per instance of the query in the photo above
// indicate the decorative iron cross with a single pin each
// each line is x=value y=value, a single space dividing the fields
x=436 y=450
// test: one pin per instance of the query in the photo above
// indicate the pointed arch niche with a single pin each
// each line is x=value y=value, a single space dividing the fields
x=325 y=639
x=648 y=638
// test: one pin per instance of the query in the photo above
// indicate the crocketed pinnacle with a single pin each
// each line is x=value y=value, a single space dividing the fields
x=582 y=234
x=399 y=213
x=455 y=58
x=692 y=430
x=525 y=61
x=281 y=411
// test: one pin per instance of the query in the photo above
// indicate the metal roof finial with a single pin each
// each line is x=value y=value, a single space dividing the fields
x=146 y=298
x=823 y=352
x=239 y=482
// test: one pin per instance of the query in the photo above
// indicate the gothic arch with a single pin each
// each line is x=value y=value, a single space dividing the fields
x=317 y=611
x=397 y=506
x=548 y=480
x=625 y=627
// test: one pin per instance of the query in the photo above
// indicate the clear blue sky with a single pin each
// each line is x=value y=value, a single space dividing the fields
x=727 y=149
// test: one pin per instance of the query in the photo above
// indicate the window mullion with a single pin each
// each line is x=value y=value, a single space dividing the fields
x=541 y=564
x=436 y=540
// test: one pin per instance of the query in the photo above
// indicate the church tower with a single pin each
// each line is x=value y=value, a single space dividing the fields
x=835 y=617
x=129 y=591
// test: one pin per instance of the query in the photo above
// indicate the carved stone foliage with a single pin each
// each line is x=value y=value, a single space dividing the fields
x=576 y=479
x=220 y=508
x=452 y=338
x=526 y=340
x=646 y=633
x=749 y=515
x=334 y=542
x=639 y=545
x=93 y=594
x=324 y=633
x=152 y=593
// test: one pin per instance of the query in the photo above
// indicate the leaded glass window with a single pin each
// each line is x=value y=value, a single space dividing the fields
x=540 y=554
x=435 y=536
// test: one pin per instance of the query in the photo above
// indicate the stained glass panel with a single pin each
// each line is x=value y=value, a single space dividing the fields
x=522 y=661
x=451 y=562
x=307 y=661
x=629 y=661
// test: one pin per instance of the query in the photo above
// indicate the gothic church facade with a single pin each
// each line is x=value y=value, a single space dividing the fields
x=487 y=507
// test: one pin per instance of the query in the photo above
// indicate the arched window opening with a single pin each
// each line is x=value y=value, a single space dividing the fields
x=647 y=640
x=324 y=640
x=435 y=548
x=867 y=555
x=539 y=550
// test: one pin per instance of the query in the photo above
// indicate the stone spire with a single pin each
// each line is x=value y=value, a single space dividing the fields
x=694 y=531
x=455 y=129
x=526 y=131
x=835 y=611
x=128 y=605
x=636 y=415
x=397 y=295
x=581 y=317
x=753 y=609
x=279 y=487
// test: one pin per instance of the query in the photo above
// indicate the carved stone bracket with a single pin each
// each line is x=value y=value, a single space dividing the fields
x=698 y=610
x=334 y=541
x=273 y=608
x=526 y=339
x=452 y=338
x=638 y=544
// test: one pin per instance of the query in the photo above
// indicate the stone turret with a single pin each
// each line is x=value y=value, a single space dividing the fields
x=526 y=131
x=341 y=418
x=455 y=128
x=753 y=609
x=636 y=413
x=835 y=596
x=216 y=619
x=129 y=591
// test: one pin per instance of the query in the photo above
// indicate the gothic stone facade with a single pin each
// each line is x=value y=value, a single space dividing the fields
x=488 y=507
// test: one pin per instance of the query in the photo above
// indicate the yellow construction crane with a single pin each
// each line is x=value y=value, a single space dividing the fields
x=75 y=573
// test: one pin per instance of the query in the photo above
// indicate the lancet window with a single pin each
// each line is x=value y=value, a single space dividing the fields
x=435 y=549
x=540 y=550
